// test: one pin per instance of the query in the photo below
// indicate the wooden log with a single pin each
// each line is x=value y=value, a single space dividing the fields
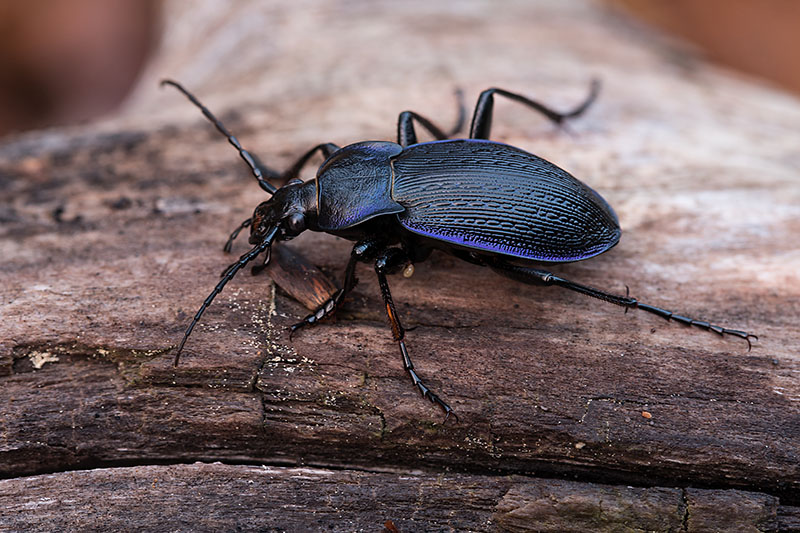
x=259 y=498
x=112 y=236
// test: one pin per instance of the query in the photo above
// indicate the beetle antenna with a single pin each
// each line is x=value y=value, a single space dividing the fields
x=228 y=275
x=248 y=158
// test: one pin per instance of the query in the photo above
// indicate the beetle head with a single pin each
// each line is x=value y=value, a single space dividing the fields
x=289 y=210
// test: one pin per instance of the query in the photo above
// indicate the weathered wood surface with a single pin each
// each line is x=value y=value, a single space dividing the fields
x=240 y=497
x=112 y=235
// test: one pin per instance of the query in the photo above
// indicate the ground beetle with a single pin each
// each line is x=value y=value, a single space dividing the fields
x=482 y=201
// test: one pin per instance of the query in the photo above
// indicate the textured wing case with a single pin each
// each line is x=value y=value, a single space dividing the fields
x=494 y=197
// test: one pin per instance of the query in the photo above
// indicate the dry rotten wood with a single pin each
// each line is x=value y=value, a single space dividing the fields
x=112 y=235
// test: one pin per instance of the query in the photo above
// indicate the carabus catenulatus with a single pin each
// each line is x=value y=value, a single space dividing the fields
x=482 y=201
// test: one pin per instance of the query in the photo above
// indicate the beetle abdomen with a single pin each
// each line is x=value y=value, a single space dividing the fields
x=494 y=197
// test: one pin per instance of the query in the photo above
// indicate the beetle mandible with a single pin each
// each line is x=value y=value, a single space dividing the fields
x=482 y=201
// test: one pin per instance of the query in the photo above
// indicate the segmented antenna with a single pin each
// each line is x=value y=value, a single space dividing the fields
x=245 y=155
x=228 y=275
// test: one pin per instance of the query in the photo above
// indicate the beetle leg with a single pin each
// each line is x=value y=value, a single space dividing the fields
x=293 y=172
x=389 y=262
x=482 y=118
x=363 y=252
x=406 y=135
x=332 y=303
x=234 y=234
x=542 y=277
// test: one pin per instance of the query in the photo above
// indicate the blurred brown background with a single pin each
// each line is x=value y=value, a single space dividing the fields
x=760 y=38
x=67 y=61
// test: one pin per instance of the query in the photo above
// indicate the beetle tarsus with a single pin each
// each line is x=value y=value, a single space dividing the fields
x=424 y=389
x=542 y=277
x=720 y=330
x=324 y=311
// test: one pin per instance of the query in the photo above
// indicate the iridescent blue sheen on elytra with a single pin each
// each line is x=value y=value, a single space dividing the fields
x=493 y=197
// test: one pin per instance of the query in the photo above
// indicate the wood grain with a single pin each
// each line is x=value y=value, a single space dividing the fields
x=111 y=237
x=268 y=498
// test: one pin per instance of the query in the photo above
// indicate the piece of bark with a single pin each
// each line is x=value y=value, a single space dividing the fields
x=301 y=280
x=112 y=235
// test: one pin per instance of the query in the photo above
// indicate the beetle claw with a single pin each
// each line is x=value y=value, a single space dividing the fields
x=441 y=403
x=293 y=328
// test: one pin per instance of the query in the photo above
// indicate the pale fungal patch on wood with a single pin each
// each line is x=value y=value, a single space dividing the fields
x=41 y=358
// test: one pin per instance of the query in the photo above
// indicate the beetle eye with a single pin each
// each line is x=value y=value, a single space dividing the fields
x=296 y=223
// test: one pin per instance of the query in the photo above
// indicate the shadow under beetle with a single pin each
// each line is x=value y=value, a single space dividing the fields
x=482 y=201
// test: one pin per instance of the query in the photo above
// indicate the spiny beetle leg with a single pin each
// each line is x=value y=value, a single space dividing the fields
x=426 y=392
x=390 y=261
x=407 y=135
x=542 y=277
x=325 y=310
x=363 y=251
x=482 y=118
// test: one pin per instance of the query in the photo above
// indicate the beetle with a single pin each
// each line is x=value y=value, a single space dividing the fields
x=482 y=201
